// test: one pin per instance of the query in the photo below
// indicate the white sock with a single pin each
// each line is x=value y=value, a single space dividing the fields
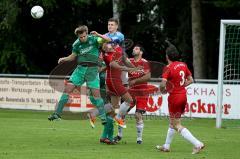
x=169 y=138
x=123 y=109
x=188 y=136
x=139 y=127
x=120 y=131
x=94 y=112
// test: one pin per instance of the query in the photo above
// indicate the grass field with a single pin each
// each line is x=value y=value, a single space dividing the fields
x=29 y=135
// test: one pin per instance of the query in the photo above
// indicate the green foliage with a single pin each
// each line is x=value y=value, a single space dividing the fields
x=48 y=4
x=226 y=3
x=8 y=14
x=11 y=56
x=35 y=45
x=98 y=2
x=152 y=22
x=12 y=59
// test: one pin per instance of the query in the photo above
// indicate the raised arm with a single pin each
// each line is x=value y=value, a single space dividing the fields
x=126 y=61
x=71 y=57
x=140 y=80
x=116 y=65
x=104 y=37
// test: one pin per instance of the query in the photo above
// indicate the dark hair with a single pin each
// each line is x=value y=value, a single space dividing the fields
x=141 y=47
x=113 y=20
x=172 y=53
x=81 y=29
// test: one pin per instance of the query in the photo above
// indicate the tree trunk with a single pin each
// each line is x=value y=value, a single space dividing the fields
x=198 y=41
x=116 y=11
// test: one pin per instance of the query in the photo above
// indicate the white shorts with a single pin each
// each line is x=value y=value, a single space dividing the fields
x=124 y=77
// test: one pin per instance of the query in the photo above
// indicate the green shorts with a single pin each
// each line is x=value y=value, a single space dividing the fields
x=83 y=74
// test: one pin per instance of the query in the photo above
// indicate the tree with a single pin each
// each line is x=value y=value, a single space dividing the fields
x=12 y=58
x=198 y=41
x=32 y=46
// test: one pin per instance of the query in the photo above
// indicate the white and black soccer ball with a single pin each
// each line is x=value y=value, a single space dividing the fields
x=37 y=12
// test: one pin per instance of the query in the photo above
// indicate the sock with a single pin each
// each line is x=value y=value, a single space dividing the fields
x=188 y=136
x=103 y=94
x=169 y=138
x=94 y=112
x=120 y=131
x=110 y=127
x=108 y=108
x=123 y=109
x=98 y=102
x=105 y=131
x=139 y=126
x=63 y=100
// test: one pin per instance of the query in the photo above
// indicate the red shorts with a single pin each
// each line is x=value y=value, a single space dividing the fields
x=176 y=104
x=115 y=87
x=141 y=95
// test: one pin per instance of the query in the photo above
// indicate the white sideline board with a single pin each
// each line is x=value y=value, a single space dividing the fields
x=36 y=94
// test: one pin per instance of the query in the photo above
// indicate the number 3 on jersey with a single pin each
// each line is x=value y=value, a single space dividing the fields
x=182 y=74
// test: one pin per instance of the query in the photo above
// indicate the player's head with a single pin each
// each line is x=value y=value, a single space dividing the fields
x=82 y=33
x=172 y=53
x=107 y=47
x=112 y=25
x=138 y=50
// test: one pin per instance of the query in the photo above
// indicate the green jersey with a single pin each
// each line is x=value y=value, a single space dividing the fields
x=87 y=51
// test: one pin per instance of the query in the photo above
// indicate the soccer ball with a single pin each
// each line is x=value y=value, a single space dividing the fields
x=37 y=12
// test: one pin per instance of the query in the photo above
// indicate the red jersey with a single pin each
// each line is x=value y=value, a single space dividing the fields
x=108 y=57
x=139 y=73
x=176 y=73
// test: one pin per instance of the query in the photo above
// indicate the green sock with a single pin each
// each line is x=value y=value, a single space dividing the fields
x=98 y=102
x=105 y=131
x=103 y=95
x=63 y=100
x=110 y=127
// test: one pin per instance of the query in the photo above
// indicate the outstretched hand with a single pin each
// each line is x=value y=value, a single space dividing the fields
x=61 y=60
x=94 y=33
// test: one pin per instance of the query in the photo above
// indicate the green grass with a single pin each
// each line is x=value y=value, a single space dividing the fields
x=29 y=135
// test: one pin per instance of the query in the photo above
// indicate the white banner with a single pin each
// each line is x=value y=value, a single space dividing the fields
x=37 y=94
x=202 y=101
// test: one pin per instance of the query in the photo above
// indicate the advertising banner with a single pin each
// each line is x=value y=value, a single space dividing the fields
x=37 y=94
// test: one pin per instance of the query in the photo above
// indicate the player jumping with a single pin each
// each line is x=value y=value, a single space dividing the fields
x=86 y=50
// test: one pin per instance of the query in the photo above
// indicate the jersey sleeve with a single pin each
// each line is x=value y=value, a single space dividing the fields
x=166 y=72
x=100 y=41
x=97 y=40
x=121 y=37
x=146 y=67
x=74 y=47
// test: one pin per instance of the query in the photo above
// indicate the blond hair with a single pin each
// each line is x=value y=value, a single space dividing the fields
x=81 y=29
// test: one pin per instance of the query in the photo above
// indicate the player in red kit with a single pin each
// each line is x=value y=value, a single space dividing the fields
x=175 y=78
x=139 y=89
x=115 y=60
x=115 y=88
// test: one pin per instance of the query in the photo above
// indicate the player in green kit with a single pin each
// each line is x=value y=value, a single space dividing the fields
x=86 y=50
